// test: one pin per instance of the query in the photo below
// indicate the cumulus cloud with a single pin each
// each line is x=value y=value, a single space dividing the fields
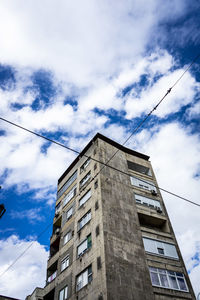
x=87 y=40
x=27 y=273
x=32 y=215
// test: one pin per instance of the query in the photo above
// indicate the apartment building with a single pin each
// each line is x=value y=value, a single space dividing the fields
x=112 y=238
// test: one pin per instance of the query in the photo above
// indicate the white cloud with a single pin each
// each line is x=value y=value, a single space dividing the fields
x=182 y=94
x=79 y=41
x=194 y=111
x=32 y=215
x=27 y=273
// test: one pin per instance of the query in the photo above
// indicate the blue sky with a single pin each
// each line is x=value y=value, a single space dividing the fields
x=69 y=70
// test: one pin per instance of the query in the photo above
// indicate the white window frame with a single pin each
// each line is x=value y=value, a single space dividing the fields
x=85 y=198
x=85 y=219
x=84 y=278
x=67 y=184
x=160 y=273
x=143 y=184
x=85 y=164
x=85 y=179
x=69 y=213
x=152 y=246
x=140 y=199
x=64 y=263
x=67 y=237
x=63 y=293
x=84 y=246
x=69 y=195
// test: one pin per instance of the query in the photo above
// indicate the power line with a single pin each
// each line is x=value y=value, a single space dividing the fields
x=154 y=108
x=96 y=160
x=105 y=164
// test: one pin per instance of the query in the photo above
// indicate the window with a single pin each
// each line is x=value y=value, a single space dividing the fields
x=160 y=248
x=97 y=230
x=139 y=168
x=84 y=278
x=67 y=184
x=58 y=208
x=85 y=198
x=84 y=220
x=52 y=276
x=69 y=195
x=96 y=184
x=69 y=213
x=67 y=237
x=64 y=263
x=147 y=201
x=168 y=279
x=98 y=262
x=85 y=179
x=85 y=245
x=84 y=166
x=144 y=184
x=63 y=293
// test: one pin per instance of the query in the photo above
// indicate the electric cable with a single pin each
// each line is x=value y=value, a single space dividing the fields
x=154 y=108
x=104 y=164
x=96 y=160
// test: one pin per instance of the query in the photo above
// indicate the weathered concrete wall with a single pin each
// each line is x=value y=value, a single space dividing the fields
x=127 y=274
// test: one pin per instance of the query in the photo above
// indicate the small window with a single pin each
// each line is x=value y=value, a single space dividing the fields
x=69 y=213
x=85 y=179
x=84 y=278
x=63 y=293
x=65 y=263
x=84 y=220
x=96 y=184
x=96 y=205
x=84 y=246
x=85 y=198
x=58 y=208
x=98 y=262
x=97 y=230
x=67 y=237
x=161 y=251
x=85 y=164
x=67 y=184
x=69 y=195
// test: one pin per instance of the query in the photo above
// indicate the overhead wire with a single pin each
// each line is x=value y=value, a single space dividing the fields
x=104 y=164
x=96 y=160
x=154 y=108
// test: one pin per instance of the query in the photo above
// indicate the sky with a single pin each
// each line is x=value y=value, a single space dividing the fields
x=70 y=69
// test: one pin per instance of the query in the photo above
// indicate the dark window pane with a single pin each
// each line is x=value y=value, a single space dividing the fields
x=161 y=251
x=155 y=279
x=179 y=274
x=173 y=283
x=171 y=273
x=182 y=284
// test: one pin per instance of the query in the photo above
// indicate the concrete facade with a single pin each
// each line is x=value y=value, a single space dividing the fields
x=106 y=239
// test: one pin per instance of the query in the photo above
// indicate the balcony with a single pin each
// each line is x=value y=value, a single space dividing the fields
x=52 y=277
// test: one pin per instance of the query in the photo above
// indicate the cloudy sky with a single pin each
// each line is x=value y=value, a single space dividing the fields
x=69 y=69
